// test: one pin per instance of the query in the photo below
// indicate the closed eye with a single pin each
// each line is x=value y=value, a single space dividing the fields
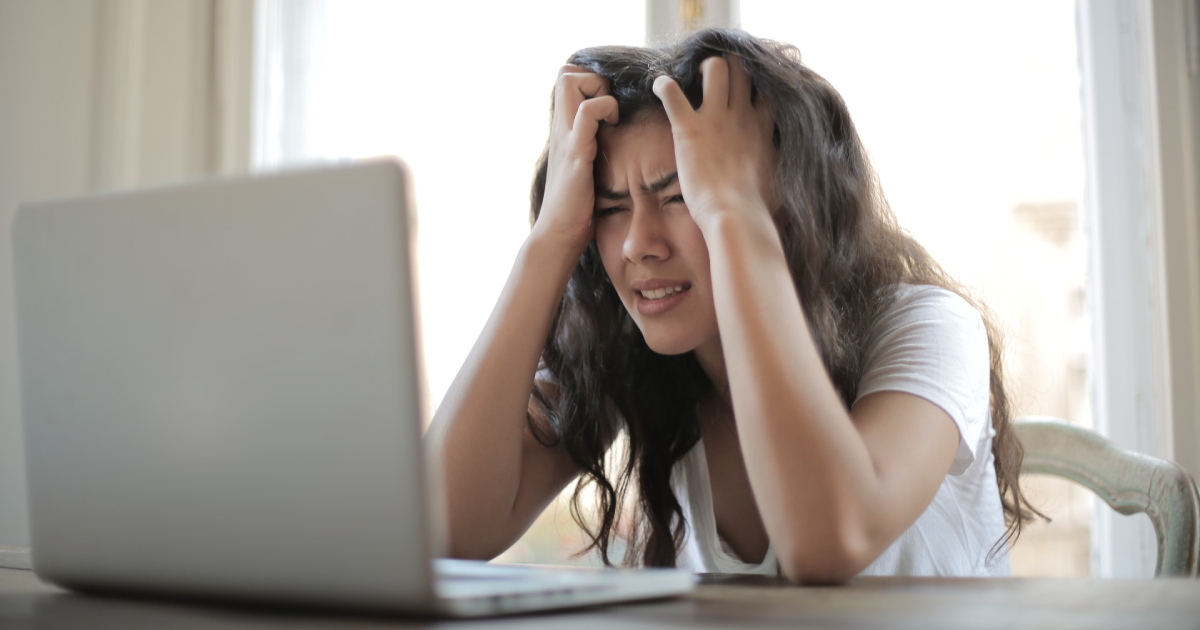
x=600 y=213
x=674 y=199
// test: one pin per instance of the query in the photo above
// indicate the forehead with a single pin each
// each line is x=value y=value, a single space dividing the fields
x=640 y=149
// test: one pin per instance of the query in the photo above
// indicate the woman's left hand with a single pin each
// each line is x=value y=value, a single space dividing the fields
x=724 y=150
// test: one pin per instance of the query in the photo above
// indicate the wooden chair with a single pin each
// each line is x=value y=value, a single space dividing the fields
x=1129 y=482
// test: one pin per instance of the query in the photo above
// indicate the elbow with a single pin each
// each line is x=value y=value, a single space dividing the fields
x=463 y=542
x=470 y=552
x=832 y=559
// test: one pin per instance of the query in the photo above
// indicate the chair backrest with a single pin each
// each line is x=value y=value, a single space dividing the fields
x=1129 y=482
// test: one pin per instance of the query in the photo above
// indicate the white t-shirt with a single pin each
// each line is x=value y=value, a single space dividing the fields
x=933 y=344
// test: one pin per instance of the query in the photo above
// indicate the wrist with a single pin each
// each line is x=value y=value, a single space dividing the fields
x=549 y=253
x=747 y=219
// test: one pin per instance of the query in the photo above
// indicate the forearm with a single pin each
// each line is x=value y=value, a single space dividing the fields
x=834 y=488
x=479 y=427
x=811 y=472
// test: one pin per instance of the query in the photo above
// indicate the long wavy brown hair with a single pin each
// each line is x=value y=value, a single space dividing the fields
x=846 y=254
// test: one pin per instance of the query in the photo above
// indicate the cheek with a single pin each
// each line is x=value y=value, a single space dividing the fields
x=691 y=246
x=608 y=242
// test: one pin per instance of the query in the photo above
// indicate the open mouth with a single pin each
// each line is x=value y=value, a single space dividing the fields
x=658 y=294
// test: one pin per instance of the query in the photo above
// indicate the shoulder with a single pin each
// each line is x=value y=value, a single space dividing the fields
x=925 y=317
x=923 y=302
x=927 y=322
x=544 y=414
x=543 y=402
x=933 y=343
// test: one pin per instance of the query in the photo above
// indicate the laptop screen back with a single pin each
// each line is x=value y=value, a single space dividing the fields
x=221 y=388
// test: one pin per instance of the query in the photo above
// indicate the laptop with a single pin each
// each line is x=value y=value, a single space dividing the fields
x=222 y=398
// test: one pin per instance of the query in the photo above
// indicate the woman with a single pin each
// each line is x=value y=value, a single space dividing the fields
x=713 y=271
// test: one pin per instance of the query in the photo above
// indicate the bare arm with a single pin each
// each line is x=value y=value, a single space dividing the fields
x=497 y=477
x=834 y=488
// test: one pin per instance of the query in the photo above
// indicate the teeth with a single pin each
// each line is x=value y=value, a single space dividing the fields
x=657 y=294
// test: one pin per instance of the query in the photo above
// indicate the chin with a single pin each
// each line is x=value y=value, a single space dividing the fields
x=669 y=345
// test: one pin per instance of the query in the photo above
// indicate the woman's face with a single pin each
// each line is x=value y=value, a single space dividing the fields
x=653 y=252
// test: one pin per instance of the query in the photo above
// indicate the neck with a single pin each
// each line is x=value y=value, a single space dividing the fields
x=711 y=357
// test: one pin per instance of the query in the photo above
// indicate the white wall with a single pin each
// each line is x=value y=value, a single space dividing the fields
x=45 y=138
x=103 y=94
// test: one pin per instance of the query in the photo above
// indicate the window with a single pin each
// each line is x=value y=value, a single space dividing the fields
x=971 y=113
x=462 y=95
x=1016 y=141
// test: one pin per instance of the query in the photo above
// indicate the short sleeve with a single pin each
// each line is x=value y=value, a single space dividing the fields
x=932 y=343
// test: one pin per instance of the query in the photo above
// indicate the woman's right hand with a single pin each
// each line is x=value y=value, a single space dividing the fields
x=581 y=101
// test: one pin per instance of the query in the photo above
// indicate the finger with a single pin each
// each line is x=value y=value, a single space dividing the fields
x=591 y=112
x=715 y=82
x=574 y=88
x=570 y=67
x=589 y=84
x=739 y=83
x=673 y=100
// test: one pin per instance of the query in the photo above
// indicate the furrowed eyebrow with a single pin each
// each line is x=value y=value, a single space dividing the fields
x=604 y=192
x=660 y=185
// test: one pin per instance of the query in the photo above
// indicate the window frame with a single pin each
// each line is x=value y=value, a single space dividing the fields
x=1140 y=71
x=1140 y=139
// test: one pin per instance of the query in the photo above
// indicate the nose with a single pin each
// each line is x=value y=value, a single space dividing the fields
x=646 y=238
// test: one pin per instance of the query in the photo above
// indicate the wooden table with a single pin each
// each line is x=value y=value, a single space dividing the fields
x=719 y=602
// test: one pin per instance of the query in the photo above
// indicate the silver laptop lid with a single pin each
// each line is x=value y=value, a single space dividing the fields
x=221 y=389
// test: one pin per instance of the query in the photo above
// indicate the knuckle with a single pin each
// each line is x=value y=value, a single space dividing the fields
x=584 y=81
x=584 y=114
x=568 y=84
x=592 y=108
